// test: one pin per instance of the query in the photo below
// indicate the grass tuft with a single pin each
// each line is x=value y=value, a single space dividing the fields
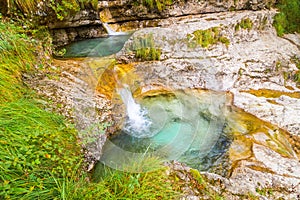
x=145 y=49
x=157 y=4
x=244 y=24
x=206 y=38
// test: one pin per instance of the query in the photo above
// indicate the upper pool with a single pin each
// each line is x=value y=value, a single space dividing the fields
x=97 y=47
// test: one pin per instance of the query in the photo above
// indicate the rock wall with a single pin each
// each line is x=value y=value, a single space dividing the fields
x=254 y=59
x=131 y=15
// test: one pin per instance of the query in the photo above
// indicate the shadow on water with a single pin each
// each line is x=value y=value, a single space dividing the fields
x=98 y=47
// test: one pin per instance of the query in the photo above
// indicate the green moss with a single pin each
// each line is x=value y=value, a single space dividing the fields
x=265 y=191
x=224 y=40
x=203 y=186
x=207 y=37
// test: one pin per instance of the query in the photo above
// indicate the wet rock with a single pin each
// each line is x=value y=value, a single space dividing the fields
x=249 y=62
x=264 y=164
x=127 y=15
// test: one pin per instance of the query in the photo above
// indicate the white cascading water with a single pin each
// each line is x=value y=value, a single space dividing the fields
x=110 y=31
x=137 y=124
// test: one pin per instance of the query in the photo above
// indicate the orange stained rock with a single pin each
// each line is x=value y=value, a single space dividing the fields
x=267 y=93
x=115 y=77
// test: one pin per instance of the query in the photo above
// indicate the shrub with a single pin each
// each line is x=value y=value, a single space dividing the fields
x=60 y=8
x=288 y=20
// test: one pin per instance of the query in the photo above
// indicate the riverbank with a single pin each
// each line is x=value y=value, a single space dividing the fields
x=41 y=153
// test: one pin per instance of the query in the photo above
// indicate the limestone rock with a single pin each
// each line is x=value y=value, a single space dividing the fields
x=249 y=62
x=125 y=15
x=255 y=59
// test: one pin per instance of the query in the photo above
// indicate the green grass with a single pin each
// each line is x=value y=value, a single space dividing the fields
x=36 y=145
x=206 y=38
x=288 y=20
x=15 y=59
x=244 y=24
x=40 y=156
x=156 y=4
x=114 y=184
x=145 y=49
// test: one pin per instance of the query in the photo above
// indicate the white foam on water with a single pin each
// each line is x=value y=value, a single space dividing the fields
x=137 y=123
x=110 y=31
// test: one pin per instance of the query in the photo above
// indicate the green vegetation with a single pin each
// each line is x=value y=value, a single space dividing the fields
x=122 y=185
x=288 y=20
x=265 y=191
x=145 y=49
x=296 y=75
x=40 y=156
x=157 y=4
x=36 y=145
x=54 y=8
x=290 y=75
x=244 y=24
x=207 y=37
x=202 y=186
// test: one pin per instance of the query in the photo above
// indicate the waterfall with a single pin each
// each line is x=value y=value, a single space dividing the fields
x=137 y=124
x=110 y=31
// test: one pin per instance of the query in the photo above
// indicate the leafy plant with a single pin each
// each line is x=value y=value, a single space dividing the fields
x=288 y=20
x=34 y=8
x=63 y=8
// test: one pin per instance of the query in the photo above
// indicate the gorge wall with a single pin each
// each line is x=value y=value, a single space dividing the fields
x=126 y=15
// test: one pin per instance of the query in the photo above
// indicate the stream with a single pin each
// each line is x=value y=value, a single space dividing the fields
x=176 y=125
x=200 y=128
x=172 y=126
